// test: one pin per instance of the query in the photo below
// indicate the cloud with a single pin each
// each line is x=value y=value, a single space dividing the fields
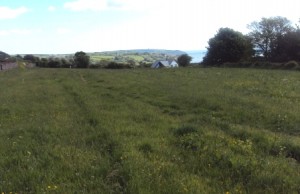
x=19 y=32
x=3 y=32
x=62 y=31
x=9 y=13
x=85 y=5
x=101 y=5
x=51 y=8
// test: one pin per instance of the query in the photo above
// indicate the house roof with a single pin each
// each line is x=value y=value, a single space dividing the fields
x=165 y=63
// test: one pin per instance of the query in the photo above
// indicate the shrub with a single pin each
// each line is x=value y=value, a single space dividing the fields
x=114 y=65
x=291 y=65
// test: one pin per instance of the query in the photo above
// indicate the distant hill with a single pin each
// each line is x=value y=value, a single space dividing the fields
x=119 y=52
x=143 y=51
x=4 y=56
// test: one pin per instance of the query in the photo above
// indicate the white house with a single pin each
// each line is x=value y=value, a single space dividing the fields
x=166 y=64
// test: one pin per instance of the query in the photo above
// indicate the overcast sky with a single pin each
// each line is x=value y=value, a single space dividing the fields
x=67 y=26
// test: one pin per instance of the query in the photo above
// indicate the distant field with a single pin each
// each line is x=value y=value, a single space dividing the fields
x=99 y=58
x=122 y=58
x=184 y=130
x=136 y=57
x=129 y=57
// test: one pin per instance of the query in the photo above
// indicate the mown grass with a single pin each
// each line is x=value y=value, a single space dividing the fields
x=180 y=130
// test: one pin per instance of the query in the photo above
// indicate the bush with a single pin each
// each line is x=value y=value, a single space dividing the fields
x=265 y=65
x=114 y=65
x=237 y=64
x=291 y=65
x=262 y=64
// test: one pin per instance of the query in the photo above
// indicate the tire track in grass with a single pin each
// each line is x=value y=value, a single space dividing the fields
x=99 y=139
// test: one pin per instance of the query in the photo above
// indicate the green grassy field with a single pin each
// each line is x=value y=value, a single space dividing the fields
x=185 y=130
x=131 y=57
x=99 y=58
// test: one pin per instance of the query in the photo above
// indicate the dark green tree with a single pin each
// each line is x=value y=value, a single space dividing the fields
x=81 y=60
x=19 y=57
x=54 y=63
x=43 y=62
x=31 y=58
x=228 y=45
x=184 y=60
x=4 y=56
x=265 y=34
x=65 y=63
x=288 y=47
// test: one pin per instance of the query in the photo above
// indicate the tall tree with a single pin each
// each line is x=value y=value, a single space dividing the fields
x=288 y=47
x=184 y=60
x=266 y=33
x=30 y=58
x=81 y=59
x=228 y=45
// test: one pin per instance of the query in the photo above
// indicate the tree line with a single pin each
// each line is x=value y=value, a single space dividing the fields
x=272 y=39
x=82 y=60
x=79 y=60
